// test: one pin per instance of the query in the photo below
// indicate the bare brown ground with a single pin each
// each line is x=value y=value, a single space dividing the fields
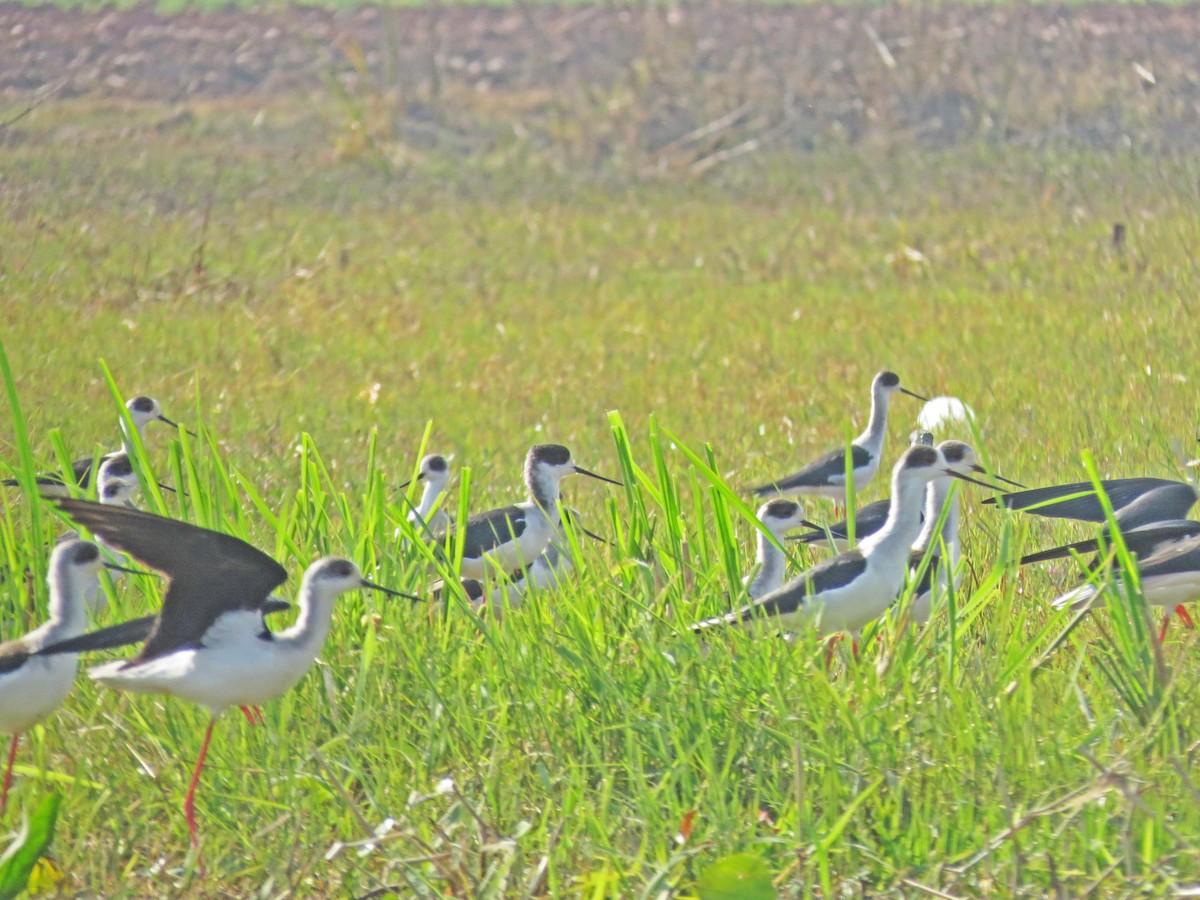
x=669 y=85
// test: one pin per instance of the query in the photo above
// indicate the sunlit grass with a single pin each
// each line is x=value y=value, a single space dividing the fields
x=309 y=318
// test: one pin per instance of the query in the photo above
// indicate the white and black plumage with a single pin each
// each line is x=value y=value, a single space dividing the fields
x=209 y=644
x=142 y=411
x=942 y=545
x=427 y=517
x=867 y=520
x=853 y=588
x=32 y=686
x=1135 y=501
x=546 y=573
x=778 y=517
x=1169 y=577
x=511 y=537
x=1144 y=542
x=826 y=475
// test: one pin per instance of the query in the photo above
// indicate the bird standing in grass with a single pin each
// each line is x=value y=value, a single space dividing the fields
x=32 y=686
x=512 y=537
x=209 y=644
x=826 y=475
x=142 y=411
x=846 y=592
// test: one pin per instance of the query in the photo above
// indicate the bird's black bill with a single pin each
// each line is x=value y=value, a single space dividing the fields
x=167 y=421
x=961 y=477
x=982 y=471
x=166 y=487
x=130 y=570
x=594 y=536
x=904 y=390
x=580 y=471
x=379 y=587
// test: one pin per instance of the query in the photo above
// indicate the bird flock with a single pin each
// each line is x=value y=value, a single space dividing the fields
x=210 y=643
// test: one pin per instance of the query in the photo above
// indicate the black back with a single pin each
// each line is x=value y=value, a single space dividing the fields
x=1147 y=500
x=818 y=472
x=491 y=529
x=210 y=573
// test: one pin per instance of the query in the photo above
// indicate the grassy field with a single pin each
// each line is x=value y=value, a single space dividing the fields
x=325 y=317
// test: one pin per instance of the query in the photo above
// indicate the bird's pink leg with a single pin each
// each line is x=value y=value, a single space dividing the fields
x=8 y=772
x=254 y=715
x=189 y=802
x=1182 y=612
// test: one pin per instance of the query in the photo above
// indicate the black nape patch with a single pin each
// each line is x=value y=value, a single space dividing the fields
x=142 y=404
x=341 y=568
x=782 y=509
x=954 y=451
x=919 y=457
x=888 y=379
x=85 y=553
x=437 y=464
x=552 y=454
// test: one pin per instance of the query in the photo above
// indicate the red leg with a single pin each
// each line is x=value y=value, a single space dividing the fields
x=8 y=773
x=254 y=715
x=249 y=714
x=189 y=802
x=1163 y=631
x=1182 y=612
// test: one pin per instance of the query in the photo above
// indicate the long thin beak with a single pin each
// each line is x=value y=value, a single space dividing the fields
x=420 y=477
x=905 y=390
x=119 y=568
x=982 y=471
x=379 y=587
x=165 y=487
x=167 y=421
x=593 y=535
x=961 y=477
x=580 y=471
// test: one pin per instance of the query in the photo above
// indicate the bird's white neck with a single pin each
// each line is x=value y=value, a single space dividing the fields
x=872 y=438
x=311 y=627
x=543 y=491
x=903 y=520
x=433 y=490
x=940 y=495
x=67 y=611
x=770 y=562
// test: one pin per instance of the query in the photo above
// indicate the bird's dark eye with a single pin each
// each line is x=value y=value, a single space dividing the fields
x=143 y=404
x=111 y=490
x=342 y=569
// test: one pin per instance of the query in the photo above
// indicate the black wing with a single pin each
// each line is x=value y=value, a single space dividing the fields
x=828 y=575
x=867 y=521
x=1182 y=558
x=1086 y=507
x=131 y=632
x=121 y=635
x=81 y=470
x=491 y=529
x=818 y=473
x=210 y=573
x=1145 y=541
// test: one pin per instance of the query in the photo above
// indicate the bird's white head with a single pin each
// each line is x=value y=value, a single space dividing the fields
x=332 y=576
x=144 y=410
x=781 y=515
x=962 y=461
x=117 y=492
x=546 y=465
x=888 y=383
x=435 y=471
x=74 y=569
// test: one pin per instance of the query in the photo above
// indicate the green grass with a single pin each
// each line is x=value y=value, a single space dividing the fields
x=314 y=315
